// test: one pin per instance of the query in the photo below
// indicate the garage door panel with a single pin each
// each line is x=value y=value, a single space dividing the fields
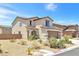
x=53 y=34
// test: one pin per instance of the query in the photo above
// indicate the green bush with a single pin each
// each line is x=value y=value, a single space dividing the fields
x=12 y=40
x=53 y=42
x=56 y=44
x=1 y=51
x=40 y=41
x=32 y=37
x=36 y=45
x=23 y=42
x=67 y=41
x=61 y=44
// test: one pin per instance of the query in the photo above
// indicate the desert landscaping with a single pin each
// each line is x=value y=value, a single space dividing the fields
x=33 y=47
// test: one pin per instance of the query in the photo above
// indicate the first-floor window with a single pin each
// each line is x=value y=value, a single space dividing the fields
x=19 y=32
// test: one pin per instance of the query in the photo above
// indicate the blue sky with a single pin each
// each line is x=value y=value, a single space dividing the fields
x=62 y=13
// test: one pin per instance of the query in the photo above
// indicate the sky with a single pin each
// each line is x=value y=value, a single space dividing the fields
x=61 y=13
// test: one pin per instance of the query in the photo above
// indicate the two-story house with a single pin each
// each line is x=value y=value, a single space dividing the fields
x=41 y=26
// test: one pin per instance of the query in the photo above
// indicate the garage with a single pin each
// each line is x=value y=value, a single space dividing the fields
x=55 y=34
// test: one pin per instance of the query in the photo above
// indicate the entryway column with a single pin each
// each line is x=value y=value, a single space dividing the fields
x=61 y=34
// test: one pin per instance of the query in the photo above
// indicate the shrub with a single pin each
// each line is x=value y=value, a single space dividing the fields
x=61 y=44
x=31 y=37
x=46 y=43
x=40 y=40
x=23 y=42
x=1 y=51
x=0 y=44
x=53 y=42
x=66 y=38
x=6 y=51
x=36 y=45
x=12 y=40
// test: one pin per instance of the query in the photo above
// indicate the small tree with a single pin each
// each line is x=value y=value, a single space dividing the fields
x=40 y=40
x=1 y=51
x=31 y=37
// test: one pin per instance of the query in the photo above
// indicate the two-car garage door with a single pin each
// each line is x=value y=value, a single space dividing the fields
x=55 y=34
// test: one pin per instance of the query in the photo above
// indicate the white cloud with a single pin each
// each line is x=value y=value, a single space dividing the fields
x=6 y=14
x=6 y=11
x=51 y=6
x=3 y=16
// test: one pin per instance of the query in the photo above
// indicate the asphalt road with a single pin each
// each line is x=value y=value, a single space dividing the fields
x=74 y=52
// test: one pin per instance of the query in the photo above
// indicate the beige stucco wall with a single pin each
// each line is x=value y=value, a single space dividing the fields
x=42 y=22
x=42 y=33
x=0 y=30
x=16 y=28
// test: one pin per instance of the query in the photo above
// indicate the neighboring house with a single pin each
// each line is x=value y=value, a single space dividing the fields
x=5 y=30
x=70 y=30
x=41 y=26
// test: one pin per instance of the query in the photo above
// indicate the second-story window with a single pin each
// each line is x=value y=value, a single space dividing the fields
x=20 y=24
x=30 y=23
x=47 y=23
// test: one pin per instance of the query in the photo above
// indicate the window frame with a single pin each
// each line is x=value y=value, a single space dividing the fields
x=20 y=24
x=47 y=23
x=30 y=23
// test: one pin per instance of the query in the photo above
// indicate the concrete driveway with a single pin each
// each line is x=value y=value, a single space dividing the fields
x=74 y=52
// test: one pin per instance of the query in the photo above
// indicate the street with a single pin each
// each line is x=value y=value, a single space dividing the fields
x=74 y=52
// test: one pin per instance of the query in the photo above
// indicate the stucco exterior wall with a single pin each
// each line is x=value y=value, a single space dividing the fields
x=43 y=21
x=16 y=28
x=43 y=34
x=0 y=30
